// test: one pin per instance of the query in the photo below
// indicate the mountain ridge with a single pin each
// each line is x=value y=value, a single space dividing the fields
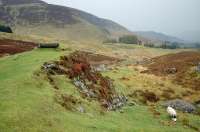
x=157 y=36
x=40 y=18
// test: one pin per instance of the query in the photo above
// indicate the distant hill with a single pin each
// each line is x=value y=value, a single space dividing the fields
x=190 y=35
x=158 y=37
x=36 y=17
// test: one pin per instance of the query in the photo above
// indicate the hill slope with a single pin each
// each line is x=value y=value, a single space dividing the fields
x=36 y=17
x=158 y=37
x=27 y=101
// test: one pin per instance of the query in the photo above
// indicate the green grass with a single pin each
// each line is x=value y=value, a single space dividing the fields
x=27 y=103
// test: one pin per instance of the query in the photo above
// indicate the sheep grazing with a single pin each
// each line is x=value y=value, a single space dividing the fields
x=172 y=113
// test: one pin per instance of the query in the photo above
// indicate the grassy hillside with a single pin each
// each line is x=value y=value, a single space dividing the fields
x=43 y=19
x=157 y=37
x=27 y=100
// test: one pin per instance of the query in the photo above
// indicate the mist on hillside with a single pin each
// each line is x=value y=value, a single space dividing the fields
x=179 y=18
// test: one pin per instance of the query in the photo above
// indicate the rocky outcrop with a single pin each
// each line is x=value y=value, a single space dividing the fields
x=180 y=105
x=89 y=82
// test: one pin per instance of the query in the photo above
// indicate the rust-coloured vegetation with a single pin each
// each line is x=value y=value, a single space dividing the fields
x=8 y=46
x=179 y=65
x=90 y=83
x=145 y=96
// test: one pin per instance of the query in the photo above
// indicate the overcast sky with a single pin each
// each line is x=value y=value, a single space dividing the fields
x=174 y=17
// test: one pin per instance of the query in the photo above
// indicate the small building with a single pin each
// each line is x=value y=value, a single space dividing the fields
x=48 y=45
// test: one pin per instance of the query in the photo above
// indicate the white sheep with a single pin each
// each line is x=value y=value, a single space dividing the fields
x=172 y=113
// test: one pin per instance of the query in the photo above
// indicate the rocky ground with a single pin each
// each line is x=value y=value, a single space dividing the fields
x=81 y=68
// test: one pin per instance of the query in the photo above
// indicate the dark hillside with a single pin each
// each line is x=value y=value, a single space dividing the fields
x=55 y=20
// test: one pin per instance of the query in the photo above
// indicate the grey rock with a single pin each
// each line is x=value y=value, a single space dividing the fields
x=80 y=85
x=198 y=67
x=49 y=65
x=81 y=109
x=83 y=88
x=172 y=70
x=113 y=104
x=180 y=105
x=117 y=102
x=101 y=68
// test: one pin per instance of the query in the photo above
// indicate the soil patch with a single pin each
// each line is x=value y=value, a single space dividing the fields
x=8 y=46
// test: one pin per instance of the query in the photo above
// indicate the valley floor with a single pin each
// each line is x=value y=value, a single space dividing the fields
x=27 y=100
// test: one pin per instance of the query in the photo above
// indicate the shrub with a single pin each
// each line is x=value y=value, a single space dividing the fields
x=128 y=39
x=197 y=45
x=169 y=45
x=110 y=41
x=5 y=29
x=149 y=45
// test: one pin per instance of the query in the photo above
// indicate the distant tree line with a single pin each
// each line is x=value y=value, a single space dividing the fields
x=197 y=45
x=127 y=39
x=110 y=41
x=164 y=45
x=5 y=29
x=132 y=39
x=170 y=45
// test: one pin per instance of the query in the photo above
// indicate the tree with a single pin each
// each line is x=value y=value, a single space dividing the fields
x=128 y=39
x=110 y=41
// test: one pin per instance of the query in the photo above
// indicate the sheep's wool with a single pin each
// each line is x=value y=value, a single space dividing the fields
x=171 y=111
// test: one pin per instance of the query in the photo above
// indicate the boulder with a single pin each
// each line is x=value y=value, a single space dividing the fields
x=198 y=67
x=81 y=109
x=101 y=68
x=49 y=65
x=172 y=70
x=181 y=105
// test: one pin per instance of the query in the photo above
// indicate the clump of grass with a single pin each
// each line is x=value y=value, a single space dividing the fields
x=186 y=122
x=168 y=93
x=145 y=96
x=67 y=101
